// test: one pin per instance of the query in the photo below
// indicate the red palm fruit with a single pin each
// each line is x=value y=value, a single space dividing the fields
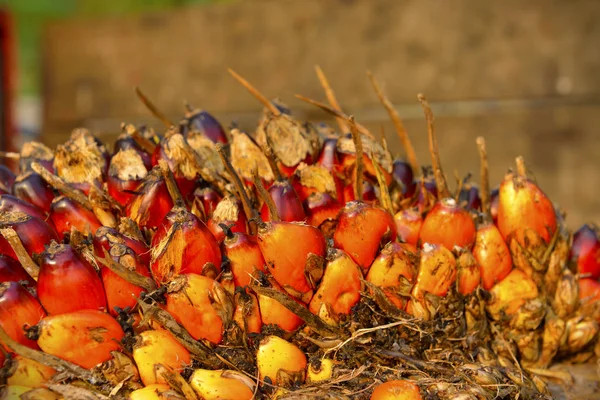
x=182 y=161
x=287 y=202
x=7 y=178
x=182 y=245
x=362 y=229
x=394 y=271
x=244 y=255
x=32 y=188
x=119 y=292
x=298 y=267
x=511 y=293
x=198 y=304
x=209 y=198
x=437 y=272
x=273 y=312
x=63 y=270
x=328 y=157
x=321 y=207
x=12 y=203
x=126 y=142
x=408 y=224
x=106 y=237
x=19 y=308
x=469 y=198
x=247 y=311
x=404 y=175
x=34 y=233
x=492 y=255
x=368 y=192
x=125 y=174
x=494 y=197
x=524 y=211
x=228 y=212
x=203 y=122
x=589 y=293
x=585 y=251
x=158 y=347
x=36 y=152
x=12 y=271
x=468 y=277
x=152 y=202
x=84 y=337
x=449 y=225
x=66 y=213
x=339 y=289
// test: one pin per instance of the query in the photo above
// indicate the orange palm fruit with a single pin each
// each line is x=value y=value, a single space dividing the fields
x=62 y=271
x=511 y=293
x=228 y=212
x=247 y=311
x=368 y=192
x=408 y=224
x=85 y=337
x=294 y=253
x=11 y=392
x=492 y=255
x=152 y=201
x=468 y=277
x=197 y=305
x=449 y=225
x=19 y=308
x=221 y=385
x=158 y=347
x=66 y=213
x=280 y=360
x=273 y=312
x=589 y=295
x=157 y=391
x=244 y=255
x=524 y=210
x=320 y=371
x=362 y=229
x=394 y=271
x=339 y=289
x=183 y=244
x=437 y=271
x=396 y=390
x=30 y=373
x=321 y=207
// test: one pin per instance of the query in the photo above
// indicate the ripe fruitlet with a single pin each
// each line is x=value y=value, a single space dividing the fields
x=67 y=213
x=12 y=271
x=323 y=372
x=468 y=276
x=19 y=308
x=310 y=179
x=36 y=152
x=228 y=212
x=585 y=251
x=63 y=270
x=403 y=174
x=468 y=198
x=11 y=392
x=125 y=174
x=589 y=292
x=362 y=229
x=12 y=203
x=32 y=188
x=321 y=207
x=156 y=391
x=33 y=232
x=158 y=347
x=85 y=337
x=394 y=271
x=221 y=384
x=126 y=142
x=329 y=156
x=437 y=272
x=247 y=311
x=204 y=123
x=449 y=225
x=182 y=161
x=287 y=202
x=184 y=244
x=200 y=304
x=511 y=293
x=275 y=313
x=152 y=202
x=106 y=237
x=209 y=198
x=396 y=390
x=7 y=178
x=408 y=224
x=244 y=255
x=30 y=373
x=494 y=198
x=492 y=255
x=294 y=253
x=278 y=359
x=339 y=289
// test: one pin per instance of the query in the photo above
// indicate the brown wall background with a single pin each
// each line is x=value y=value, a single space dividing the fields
x=523 y=74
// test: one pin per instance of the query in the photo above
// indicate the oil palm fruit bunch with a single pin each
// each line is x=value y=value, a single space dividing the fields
x=295 y=261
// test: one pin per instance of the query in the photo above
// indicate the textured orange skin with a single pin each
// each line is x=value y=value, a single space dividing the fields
x=273 y=312
x=193 y=308
x=339 y=289
x=492 y=254
x=150 y=392
x=408 y=223
x=119 y=292
x=274 y=354
x=244 y=257
x=449 y=225
x=512 y=292
x=215 y=385
x=18 y=307
x=589 y=290
x=392 y=263
x=253 y=320
x=321 y=207
x=30 y=373
x=468 y=276
x=286 y=247
x=437 y=272
x=361 y=230
x=396 y=390
x=85 y=337
x=524 y=208
x=159 y=347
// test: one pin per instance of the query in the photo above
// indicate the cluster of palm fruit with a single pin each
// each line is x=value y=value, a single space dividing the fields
x=291 y=262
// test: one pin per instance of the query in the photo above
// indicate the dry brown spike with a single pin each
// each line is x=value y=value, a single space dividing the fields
x=265 y=196
x=174 y=192
x=150 y=106
x=386 y=199
x=358 y=194
x=60 y=185
x=395 y=117
x=331 y=98
x=521 y=169
x=436 y=162
x=484 y=191
x=254 y=92
x=23 y=256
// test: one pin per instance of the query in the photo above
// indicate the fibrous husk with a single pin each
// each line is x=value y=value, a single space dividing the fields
x=317 y=177
x=81 y=159
x=371 y=147
x=247 y=156
x=205 y=148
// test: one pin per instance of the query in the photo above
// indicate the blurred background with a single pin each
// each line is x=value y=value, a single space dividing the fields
x=526 y=75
